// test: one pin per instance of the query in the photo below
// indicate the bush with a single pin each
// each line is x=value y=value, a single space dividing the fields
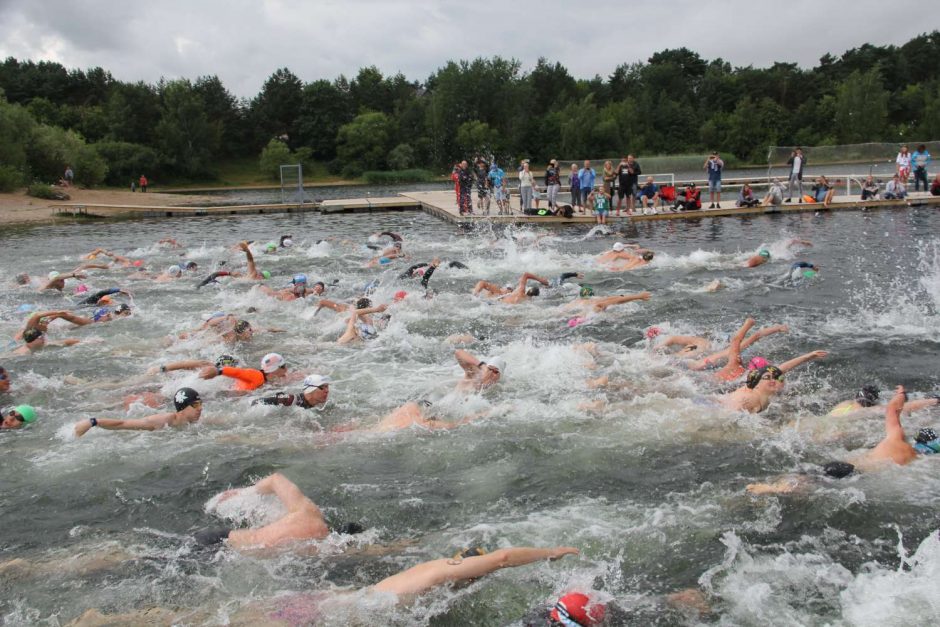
x=90 y=168
x=401 y=157
x=126 y=161
x=47 y=192
x=51 y=149
x=374 y=177
x=10 y=178
x=274 y=155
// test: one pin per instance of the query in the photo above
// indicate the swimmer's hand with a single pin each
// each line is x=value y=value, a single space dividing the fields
x=897 y=401
x=819 y=354
x=644 y=295
x=562 y=551
x=82 y=427
x=228 y=494
x=209 y=372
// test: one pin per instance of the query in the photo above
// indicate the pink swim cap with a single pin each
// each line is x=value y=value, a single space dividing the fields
x=757 y=363
x=81 y=288
x=576 y=321
x=139 y=263
x=653 y=332
x=400 y=295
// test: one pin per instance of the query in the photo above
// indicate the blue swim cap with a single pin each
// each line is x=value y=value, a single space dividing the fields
x=299 y=279
x=384 y=260
x=100 y=313
x=25 y=308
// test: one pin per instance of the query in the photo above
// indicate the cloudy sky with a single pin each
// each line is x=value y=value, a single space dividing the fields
x=244 y=41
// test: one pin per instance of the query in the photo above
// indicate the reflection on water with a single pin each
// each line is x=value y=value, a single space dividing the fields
x=650 y=488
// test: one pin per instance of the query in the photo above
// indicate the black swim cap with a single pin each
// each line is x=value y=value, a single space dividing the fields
x=754 y=376
x=471 y=552
x=867 y=396
x=226 y=360
x=123 y=308
x=212 y=535
x=925 y=435
x=185 y=397
x=648 y=255
x=242 y=326
x=31 y=335
x=533 y=291
x=838 y=470
x=350 y=528
x=363 y=303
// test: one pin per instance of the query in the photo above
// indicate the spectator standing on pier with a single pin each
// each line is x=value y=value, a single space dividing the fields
x=713 y=167
x=903 y=164
x=70 y=176
x=920 y=160
x=464 y=188
x=552 y=183
x=797 y=162
x=586 y=177
x=143 y=183
x=609 y=176
x=628 y=174
x=481 y=172
x=574 y=182
x=526 y=183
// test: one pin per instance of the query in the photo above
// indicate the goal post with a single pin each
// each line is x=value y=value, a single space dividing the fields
x=292 y=184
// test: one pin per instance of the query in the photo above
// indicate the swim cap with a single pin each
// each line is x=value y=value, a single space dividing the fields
x=271 y=362
x=924 y=436
x=100 y=313
x=299 y=279
x=754 y=376
x=497 y=362
x=400 y=295
x=190 y=265
x=757 y=363
x=31 y=335
x=653 y=332
x=81 y=288
x=123 y=308
x=586 y=291
x=226 y=360
x=471 y=552
x=350 y=528
x=22 y=278
x=53 y=275
x=763 y=252
x=216 y=314
x=533 y=291
x=867 y=396
x=265 y=274
x=270 y=247
x=576 y=609
x=648 y=255
x=363 y=303
x=242 y=326
x=838 y=470
x=185 y=397
x=287 y=242
x=619 y=246
x=573 y=322
x=105 y=300
x=26 y=412
x=316 y=380
x=809 y=274
x=174 y=270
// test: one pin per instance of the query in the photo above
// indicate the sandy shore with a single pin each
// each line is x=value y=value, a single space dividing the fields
x=18 y=208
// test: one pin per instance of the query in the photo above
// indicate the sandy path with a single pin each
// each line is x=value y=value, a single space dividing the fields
x=18 y=208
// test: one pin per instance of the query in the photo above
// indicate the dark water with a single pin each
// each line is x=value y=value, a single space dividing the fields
x=651 y=489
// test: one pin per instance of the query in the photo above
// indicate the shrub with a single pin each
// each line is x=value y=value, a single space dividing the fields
x=274 y=155
x=41 y=190
x=10 y=178
x=401 y=157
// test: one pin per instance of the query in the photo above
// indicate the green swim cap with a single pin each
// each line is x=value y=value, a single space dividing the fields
x=270 y=246
x=586 y=291
x=266 y=274
x=27 y=412
x=763 y=252
x=809 y=274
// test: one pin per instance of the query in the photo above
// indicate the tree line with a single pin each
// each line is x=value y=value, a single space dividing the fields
x=676 y=102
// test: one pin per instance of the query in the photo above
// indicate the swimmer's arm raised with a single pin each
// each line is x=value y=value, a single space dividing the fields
x=923 y=403
x=893 y=428
x=528 y=276
x=75 y=318
x=467 y=361
x=285 y=490
x=787 y=366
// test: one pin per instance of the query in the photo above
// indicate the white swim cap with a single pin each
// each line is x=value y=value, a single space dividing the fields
x=174 y=271
x=316 y=380
x=619 y=246
x=497 y=362
x=271 y=362
x=53 y=275
x=287 y=243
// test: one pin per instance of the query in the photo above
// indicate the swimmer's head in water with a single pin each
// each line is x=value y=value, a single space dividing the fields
x=350 y=528
x=186 y=397
x=925 y=435
x=26 y=412
x=190 y=265
x=653 y=332
x=648 y=255
x=838 y=470
x=287 y=242
x=809 y=274
x=299 y=279
x=586 y=291
x=226 y=360
x=18 y=417
x=533 y=291
x=31 y=335
x=618 y=247
x=318 y=288
x=363 y=303
x=123 y=310
x=174 y=270
x=270 y=247
x=576 y=609
x=754 y=377
x=576 y=321
x=81 y=288
x=757 y=363
x=265 y=274
x=867 y=396
x=763 y=252
x=22 y=279
x=475 y=551
x=53 y=275
x=400 y=295
x=496 y=365
x=318 y=381
x=242 y=329
x=272 y=362
x=138 y=263
x=397 y=245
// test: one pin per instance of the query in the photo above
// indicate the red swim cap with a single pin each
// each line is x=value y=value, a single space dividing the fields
x=400 y=295
x=139 y=263
x=653 y=332
x=757 y=363
x=577 y=607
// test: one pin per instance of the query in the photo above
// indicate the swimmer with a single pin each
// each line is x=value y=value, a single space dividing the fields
x=252 y=274
x=478 y=374
x=303 y=521
x=18 y=417
x=33 y=334
x=169 y=242
x=273 y=366
x=57 y=281
x=632 y=262
x=188 y=407
x=866 y=402
x=762 y=257
x=596 y=304
x=286 y=241
x=387 y=255
x=414 y=414
x=360 y=325
x=764 y=383
x=175 y=271
x=102 y=297
x=508 y=294
x=298 y=289
x=124 y=261
x=4 y=380
x=102 y=314
x=616 y=253
x=802 y=270
x=692 y=347
x=313 y=395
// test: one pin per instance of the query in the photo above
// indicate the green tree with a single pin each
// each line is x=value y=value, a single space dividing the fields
x=325 y=106
x=276 y=109
x=274 y=155
x=401 y=157
x=187 y=140
x=51 y=149
x=126 y=161
x=363 y=143
x=861 y=108
x=476 y=138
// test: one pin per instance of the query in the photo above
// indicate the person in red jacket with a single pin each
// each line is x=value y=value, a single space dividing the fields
x=143 y=183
